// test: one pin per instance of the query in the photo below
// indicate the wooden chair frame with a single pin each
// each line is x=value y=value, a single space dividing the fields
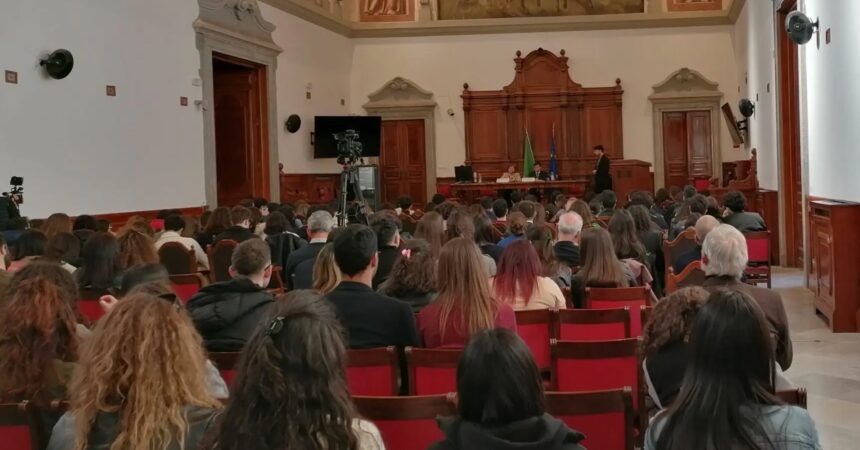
x=674 y=282
x=210 y=253
x=760 y=273
x=595 y=402
x=405 y=408
x=189 y=278
x=796 y=397
x=618 y=294
x=591 y=317
x=429 y=358
x=668 y=246
x=169 y=248
x=374 y=357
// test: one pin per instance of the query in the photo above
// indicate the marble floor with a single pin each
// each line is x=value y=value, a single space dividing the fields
x=826 y=364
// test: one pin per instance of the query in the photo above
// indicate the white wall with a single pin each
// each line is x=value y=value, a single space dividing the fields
x=641 y=58
x=313 y=55
x=80 y=151
x=754 y=42
x=833 y=101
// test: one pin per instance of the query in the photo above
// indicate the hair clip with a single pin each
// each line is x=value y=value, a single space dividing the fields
x=172 y=298
x=407 y=253
x=275 y=326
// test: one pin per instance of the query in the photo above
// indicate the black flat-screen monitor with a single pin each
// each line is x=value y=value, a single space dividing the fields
x=325 y=127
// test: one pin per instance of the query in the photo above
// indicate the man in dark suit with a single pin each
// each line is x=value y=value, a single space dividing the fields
x=569 y=231
x=724 y=257
x=736 y=216
x=370 y=319
x=387 y=231
x=320 y=224
x=541 y=174
x=703 y=226
x=240 y=231
x=602 y=179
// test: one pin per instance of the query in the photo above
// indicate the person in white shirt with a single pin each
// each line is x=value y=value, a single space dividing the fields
x=173 y=226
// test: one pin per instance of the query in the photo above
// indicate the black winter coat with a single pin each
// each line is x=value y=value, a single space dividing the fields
x=227 y=313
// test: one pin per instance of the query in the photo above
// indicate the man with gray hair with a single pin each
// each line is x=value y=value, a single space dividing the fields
x=320 y=224
x=569 y=231
x=724 y=258
x=703 y=226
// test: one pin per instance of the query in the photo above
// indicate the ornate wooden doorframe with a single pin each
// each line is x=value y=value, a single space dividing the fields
x=685 y=90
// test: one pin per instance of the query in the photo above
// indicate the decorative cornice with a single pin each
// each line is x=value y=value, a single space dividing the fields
x=400 y=93
x=238 y=19
x=685 y=82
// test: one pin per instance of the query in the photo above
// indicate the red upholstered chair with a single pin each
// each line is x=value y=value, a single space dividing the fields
x=645 y=314
x=177 y=259
x=758 y=268
x=592 y=324
x=157 y=224
x=88 y=303
x=226 y=363
x=609 y=298
x=693 y=275
x=186 y=285
x=604 y=417
x=406 y=423
x=701 y=184
x=219 y=260
x=795 y=397
x=535 y=328
x=17 y=428
x=374 y=371
x=432 y=371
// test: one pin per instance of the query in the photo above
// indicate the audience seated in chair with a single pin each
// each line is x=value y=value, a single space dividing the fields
x=228 y=312
x=322 y=275
x=135 y=247
x=370 y=319
x=487 y=236
x=387 y=229
x=566 y=248
x=726 y=399
x=517 y=223
x=541 y=238
x=500 y=210
x=100 y=268
x=697 y=204
x=413 y=277
x=641 y=198
x=735 y=215
x=520 y=281
x=218 y=222
x=431 y=228
x=173 y=227
x=500 y=400
x=404 y=206
x=462 y=224
x=608 y=202
x=724 y=258
x=600 y=266
x=64 y=249
x=29 y=247
x=239 y=231
x=284 y=244
x=703 y=226
x=464 y=304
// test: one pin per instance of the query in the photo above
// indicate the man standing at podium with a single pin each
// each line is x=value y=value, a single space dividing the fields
x=602 y=179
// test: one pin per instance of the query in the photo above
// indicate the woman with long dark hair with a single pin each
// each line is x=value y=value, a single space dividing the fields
x=626 y=242
x=520 y=283
x=588 y=221
x=500 y=400
x=100 y=269
x=291 y=389
x=486 y=236
x=431 y=229
x=56 y=223
x=217 y=223
x=727 y=397
x=600 y=267
x=543 y=241
x=413 y=276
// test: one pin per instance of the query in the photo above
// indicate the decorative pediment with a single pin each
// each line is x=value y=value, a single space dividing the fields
x=400 y=93
x=237 y=19
x=541 y=68
x=686 y=82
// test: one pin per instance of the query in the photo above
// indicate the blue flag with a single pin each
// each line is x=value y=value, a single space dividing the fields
x=553 y=163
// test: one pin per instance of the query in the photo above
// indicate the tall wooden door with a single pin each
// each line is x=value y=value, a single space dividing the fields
x=401 y=162
x=686 y=146
x=242 y=168
x=791 y=189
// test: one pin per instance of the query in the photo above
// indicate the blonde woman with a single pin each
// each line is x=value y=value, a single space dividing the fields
x=141 y=383
x=326 y=273
x=135 y=247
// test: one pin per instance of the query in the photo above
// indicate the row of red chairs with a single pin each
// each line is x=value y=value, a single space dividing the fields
x=758 y=268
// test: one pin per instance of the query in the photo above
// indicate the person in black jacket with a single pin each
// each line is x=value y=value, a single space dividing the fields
x=387 y=231
x=320 y=224
x=566 y=249
x=371 y=320
x=227 y=313
x=240 y=231
x=602 y=178
x=501 y=405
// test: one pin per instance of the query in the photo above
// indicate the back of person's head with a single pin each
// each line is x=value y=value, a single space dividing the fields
x=662 y=196
x=37 y=327
x=735 y=201
x=517 y=273
x=260 y=202
x=569 y=224
x=487 y=203
x=462 y=283
x=326 y=273
x=704 y=226
x=517 y=223
x=540 y=214
x=64 y=247
x=431 y=228
x=146 y=359
x=460 y=224
x=103 y=226
x=413 y=273
x=387 y=231
x=138 y=223
x=174 y=222
x=542 y=239
x=516 y=197
x=730 y=369
x=476 y=210
x=291 y=389
x=724 y=252
x=276 y=223
x=689 y=192
x=500 y=208
x=135 y=248
x=527 y=208
x=320 y=222
x=498 y=382
x=672 y=318
x=239 y=215
x=404 y=202
x=56 y=223
x=698 y=204
x=641 y=198
x=691 y=220
x=445 y=209
x=219 y=221
x=600 y=266
x=608 y=199
x=250 y=258
x=32 y=242
x=143 y=274
x=355 y=249
x=584 y=211
x=485 y=232
x=624 y=238
x=641 y=218
x=18 y=223
x=100 y=262
x=85 y=222
x=438 y=199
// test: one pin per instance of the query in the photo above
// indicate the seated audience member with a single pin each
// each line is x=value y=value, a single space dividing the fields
x=174 y=225
x=724 y=258
x=217 y=223
x=664 y=343
x=227 y=313
x=240 y=231
x=29 y=247
x=257 y=224
x=487 y=207
x=413 y=276
x=464 y=304
x=370 y=319
x=540 y=214
x=528 y=209
x=736 y=216
x=104 y=226
x=56 y=223
x=14 y=229
x=714 y=208
x=584 y=211
x=486 y=236
x=694 y=205
x=139 y=223
x=101 y=269
x=65 y=250
x=438 y=199
x=431 y=229
x=627 y=246
x=726 y=398
x=142 y=382
x=84 y=227
x=135 y=248
x=5 y=276
x=651 y=239
x=520 y=281
x=516 y=198
x=500 y=400
x=703 y=226
x=542 y=240
x=517 y=223
x=291 y=391
x=288 y=249
x=142 y=274
x=404 y=206
x=600 y=267
x=325 y=274
x=663 y=206
x=388 y=238
x=461 y=224
x=644 y=199
x=192 y=226
x=500 y=210
x=608 y=201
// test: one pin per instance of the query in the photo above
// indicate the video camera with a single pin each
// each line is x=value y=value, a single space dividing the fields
x=16 y=193
x=349 y=149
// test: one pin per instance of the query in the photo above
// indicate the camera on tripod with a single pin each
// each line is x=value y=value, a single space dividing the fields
x=16 y=193
x=349 y=149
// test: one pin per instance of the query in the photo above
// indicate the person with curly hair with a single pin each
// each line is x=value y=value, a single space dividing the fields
x=413 y=276
x=664 y=343
x=736 y=216
x=142 y=382
x=291 y=389
x=135 y=248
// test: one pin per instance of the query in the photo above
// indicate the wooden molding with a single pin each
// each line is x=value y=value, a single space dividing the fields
x=119 y=219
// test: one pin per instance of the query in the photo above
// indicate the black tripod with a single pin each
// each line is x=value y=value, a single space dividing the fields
x=347 y=176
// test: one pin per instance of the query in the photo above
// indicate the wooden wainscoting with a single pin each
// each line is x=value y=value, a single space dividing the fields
x=309 y=187
x=117 y=220
x=767 y=203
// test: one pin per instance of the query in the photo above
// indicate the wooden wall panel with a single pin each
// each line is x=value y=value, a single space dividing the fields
x=487 y=135
x=117 y=220
x=600 y=124
x=675 y=148
x=311 y=188
x=699 y=144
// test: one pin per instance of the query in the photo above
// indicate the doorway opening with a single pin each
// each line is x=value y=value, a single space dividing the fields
x=241 y=129
x=686 y=146
x=402 y=162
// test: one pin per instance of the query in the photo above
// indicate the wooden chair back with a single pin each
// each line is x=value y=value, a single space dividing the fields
x=374 y=371
x=226 y=363
x=758 y=268
x=606 y=418
x=693 y=275
x=19 y=429
x=610 y=298
x=592 y=324
x=186 y=285
x=794 y=397
x=177 y=259
x=432 y=371
x=645 y=315
x=406 y=423
x=219 y=260
x=683 y=243
x=535 y=328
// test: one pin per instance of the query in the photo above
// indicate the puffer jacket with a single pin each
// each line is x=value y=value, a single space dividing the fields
x=536 y=433
x=227 y=313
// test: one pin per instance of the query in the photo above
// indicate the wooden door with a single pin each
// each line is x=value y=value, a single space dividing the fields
x=401 y=161
x=686 y=146
x=242 y=168
x=789 y=115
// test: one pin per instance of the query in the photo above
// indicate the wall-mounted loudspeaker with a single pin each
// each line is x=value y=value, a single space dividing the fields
x=799 y=27
x=293 y=123
x=746 y=107
x=58 y=64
